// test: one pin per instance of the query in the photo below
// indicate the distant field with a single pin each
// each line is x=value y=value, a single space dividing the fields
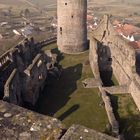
x=119 y=8
x=26 y=3
x=114 y=7
x=11 y=2
x=43 y=2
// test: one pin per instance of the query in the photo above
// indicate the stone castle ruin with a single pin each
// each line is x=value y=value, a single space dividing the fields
x=110 y=53
x=23 y=71
x=72 y=28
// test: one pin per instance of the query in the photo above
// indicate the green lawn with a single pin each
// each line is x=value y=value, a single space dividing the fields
x=115 y=82
x=127 y=115
x=125 y=110
x=66 y=98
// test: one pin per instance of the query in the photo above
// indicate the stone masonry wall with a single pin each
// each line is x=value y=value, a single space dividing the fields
x=93 y=57
x=26 y=56
x=35 y=76
x=12 y=88
x=17 y=123
x=135 y=90
x=6 y=67
x=123 y=57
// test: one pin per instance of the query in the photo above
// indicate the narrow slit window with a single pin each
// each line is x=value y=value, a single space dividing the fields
x=61 y=30
x=110 y=59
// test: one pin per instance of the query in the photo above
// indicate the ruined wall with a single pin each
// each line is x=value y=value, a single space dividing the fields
x=120 y=73
x=72 y=29
x=25 y=57
x=12 y=88
x=135 y=90
x=121 y=54
x=24 y=124
x=34 y=78
x=123 y=60
x=4 y=75
x=93 y=57
x=6 y=67
x=76 y=132
x=122 y=89
x=123 y=57
x=13 y=58
x=27 y=51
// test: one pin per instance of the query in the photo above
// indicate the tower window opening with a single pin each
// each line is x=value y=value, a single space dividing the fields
x=110 y=59
x=40 y=77
x=61 y=30
x=65 y=3
x=71 y=16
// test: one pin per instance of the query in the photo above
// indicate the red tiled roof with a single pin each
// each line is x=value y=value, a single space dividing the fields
x=116 y=22
x=127 y=29
x=135 y=44
x=89 y=17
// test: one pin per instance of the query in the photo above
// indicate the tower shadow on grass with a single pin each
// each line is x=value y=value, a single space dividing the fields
x=60 y=55
x=68 y=112
x=57 y=92
x=106 y=77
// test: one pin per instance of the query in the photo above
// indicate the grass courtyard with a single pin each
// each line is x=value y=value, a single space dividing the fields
x=67 y=100
x=125 y=111
x=128 y=116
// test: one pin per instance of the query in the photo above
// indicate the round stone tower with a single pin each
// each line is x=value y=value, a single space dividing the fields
x=72 y=27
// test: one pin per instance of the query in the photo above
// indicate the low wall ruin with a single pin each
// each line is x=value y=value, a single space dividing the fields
x=93 y=57
x=12 y=88
x=123 y=89
x=121 y=55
